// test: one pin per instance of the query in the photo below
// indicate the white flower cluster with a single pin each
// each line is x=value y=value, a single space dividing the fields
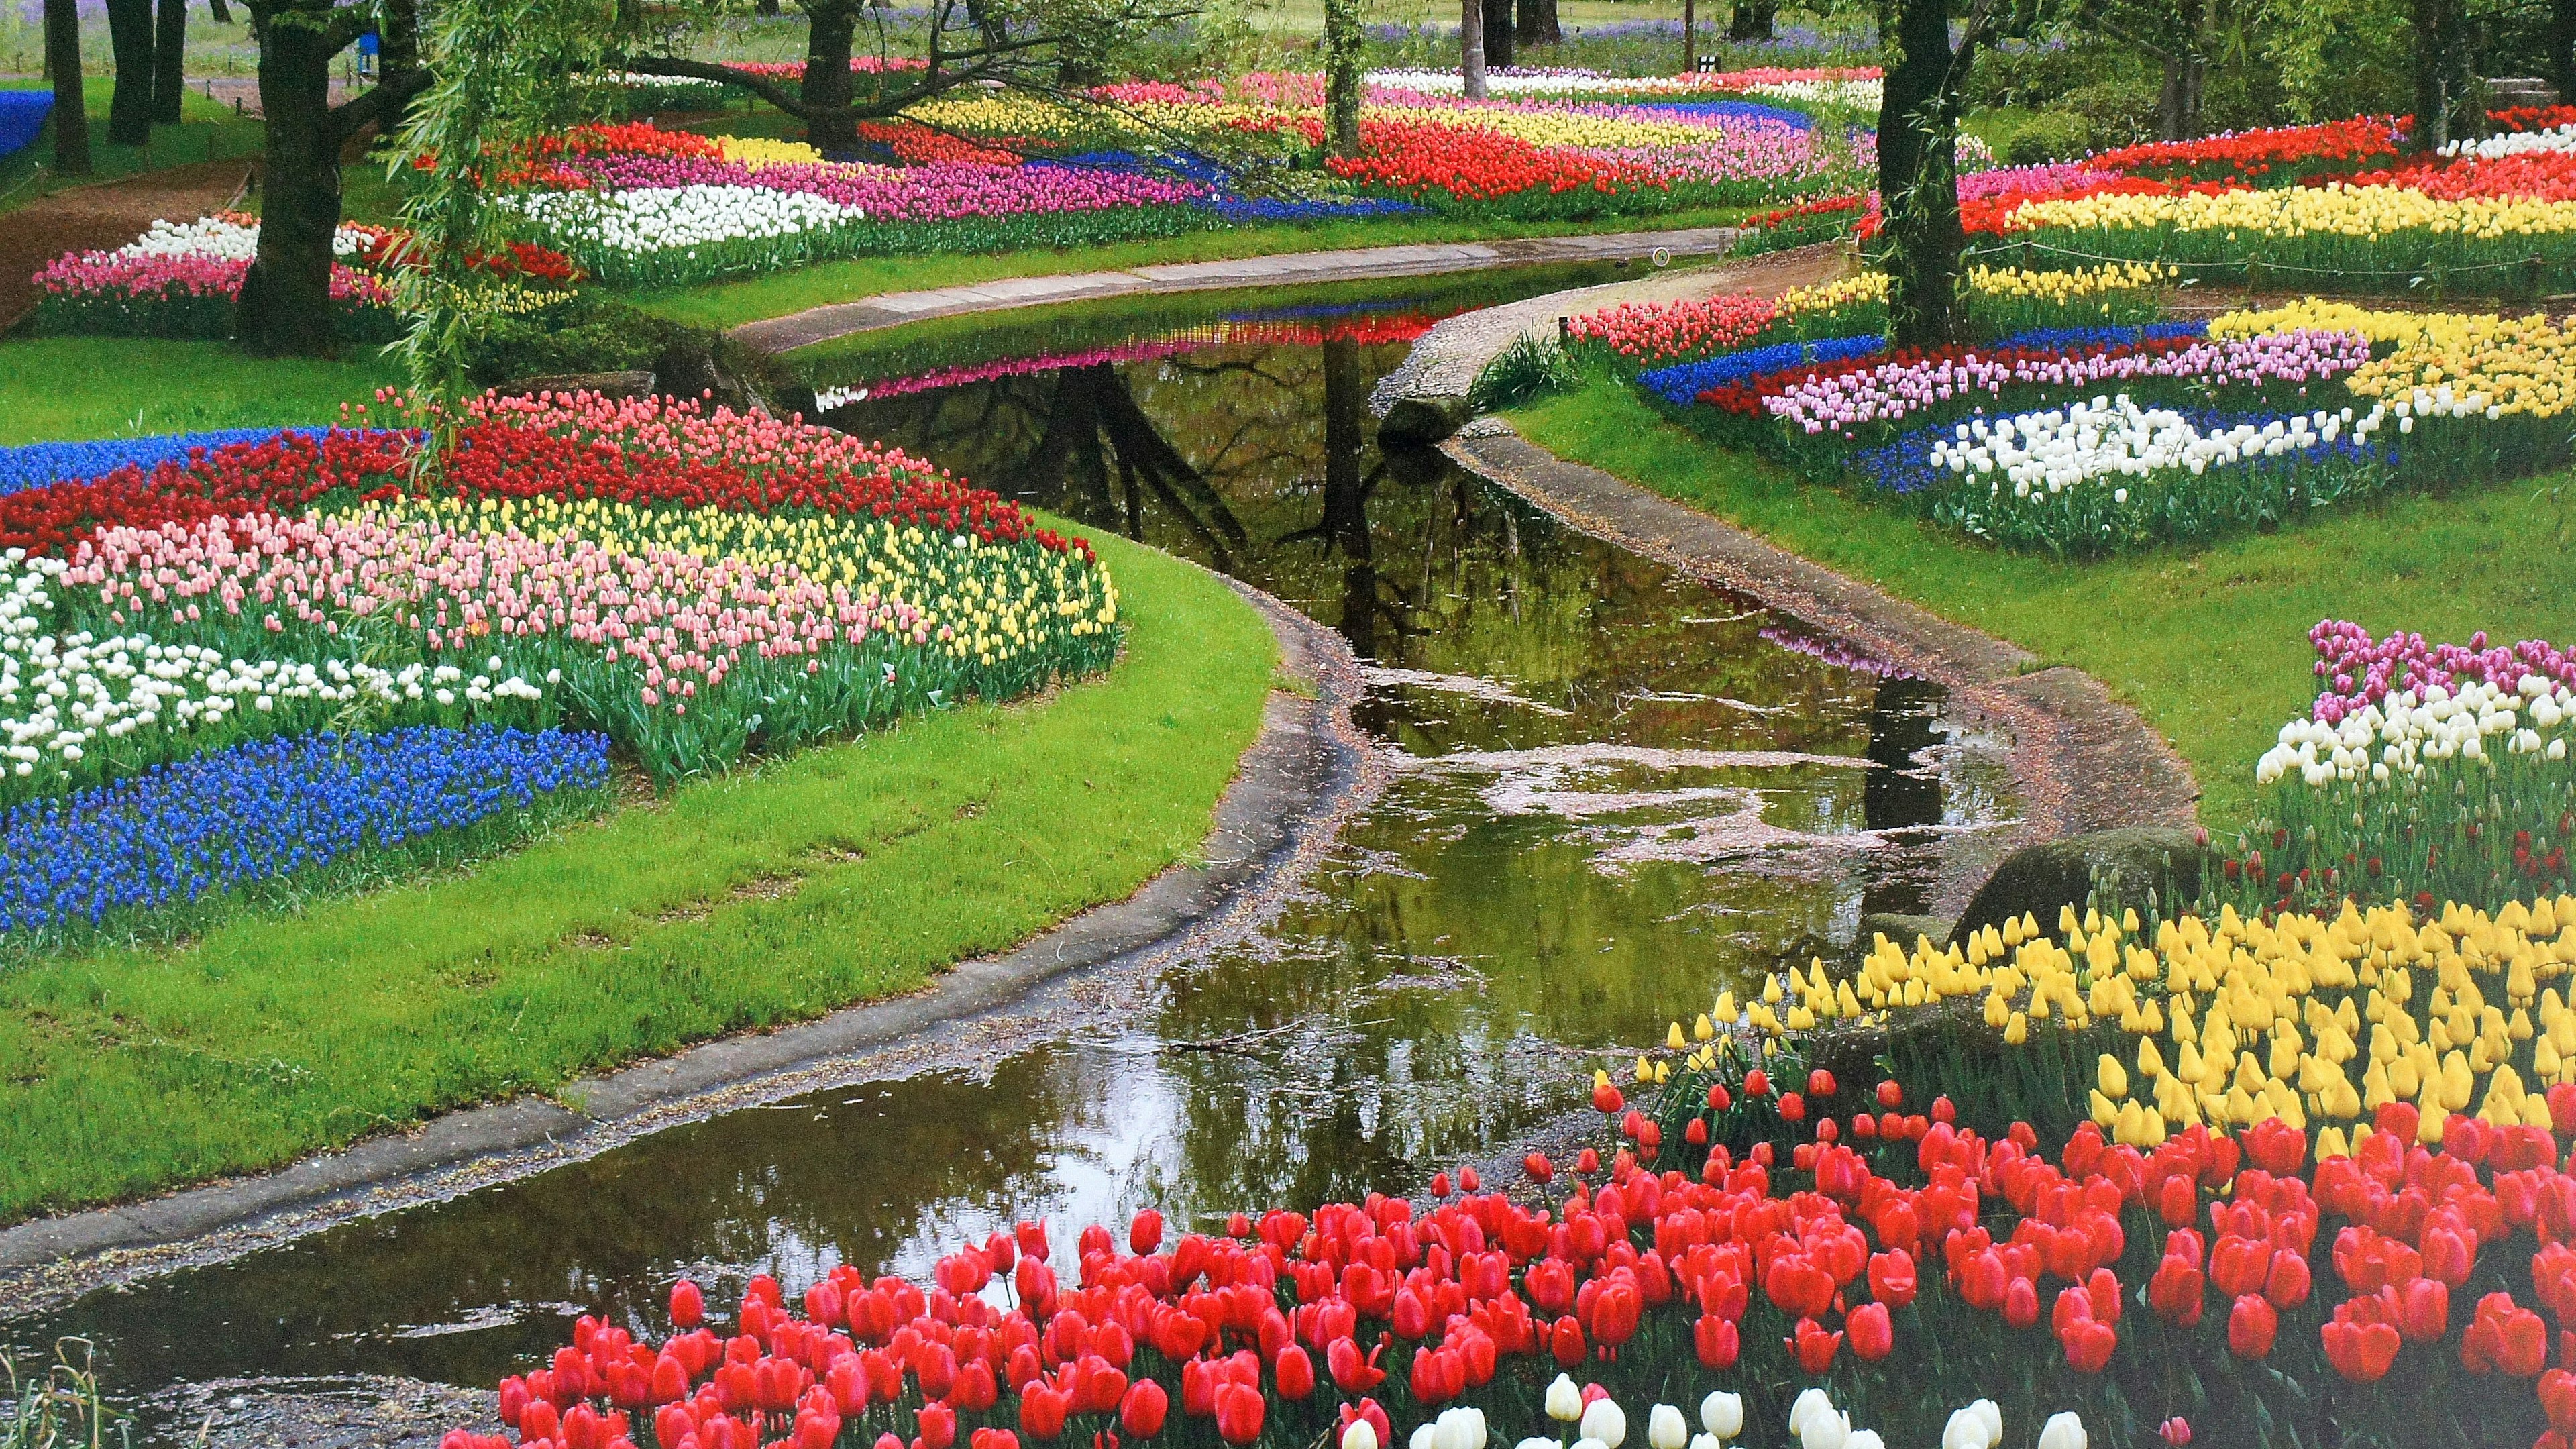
x=63 y=696
x=1862 y=95
x=2514 y=143
x=2059 y=448
x=2398 y=734
x=662 y=82
x=668 y=218
x=215 y=236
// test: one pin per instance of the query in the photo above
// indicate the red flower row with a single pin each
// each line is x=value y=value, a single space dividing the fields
x=1472 y=164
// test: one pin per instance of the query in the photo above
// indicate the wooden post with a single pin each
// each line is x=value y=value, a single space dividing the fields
x=1690 y=37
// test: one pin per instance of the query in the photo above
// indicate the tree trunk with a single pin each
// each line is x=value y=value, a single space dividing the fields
x=2559 y=41
x=827 y=74
x=1753 y=20
x=129 y=106
x=2443 y=112
x=71 y=115
x=1498 y=32
x=767 y=7
x=1690 y=37
x=222 y=13
x=1344 y=72
x=1538 y=23
x=1471 y=49
x=397 y=55
x=1918 y=178
x=285 y=307
x=169 y=62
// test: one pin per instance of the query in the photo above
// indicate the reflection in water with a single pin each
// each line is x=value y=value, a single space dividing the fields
x=1611 y=794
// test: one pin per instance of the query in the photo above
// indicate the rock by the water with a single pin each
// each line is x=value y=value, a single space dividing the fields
x=1422 y=421
x=1902 y=929
x=2125 y=864
x=606 y=384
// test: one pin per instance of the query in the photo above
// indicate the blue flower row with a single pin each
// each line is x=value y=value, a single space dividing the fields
x=2070 y=339
x=1684 y=382
x=36 y=464
x=1735 y=110
x=268 y=809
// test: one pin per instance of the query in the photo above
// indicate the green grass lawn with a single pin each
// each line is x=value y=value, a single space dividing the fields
x=208 y=131
x=832 y=876
x=64 y=389
x=2211 y=644
x=726 y=304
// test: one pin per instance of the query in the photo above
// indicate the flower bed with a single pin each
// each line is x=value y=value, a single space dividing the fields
x=687 y=588
x=1774 y=1247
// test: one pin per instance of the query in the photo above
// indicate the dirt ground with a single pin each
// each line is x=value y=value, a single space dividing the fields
x=108 y=215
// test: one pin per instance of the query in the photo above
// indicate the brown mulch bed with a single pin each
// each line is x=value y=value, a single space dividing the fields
x=107 y=215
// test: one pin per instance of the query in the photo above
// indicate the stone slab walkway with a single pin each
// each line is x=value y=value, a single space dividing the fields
x=893 y=309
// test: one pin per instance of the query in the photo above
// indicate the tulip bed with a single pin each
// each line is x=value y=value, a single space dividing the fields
x=1793 y=1253
x=2086 y=428
x=179 y=280
x=2327 y=205
x=687 y=588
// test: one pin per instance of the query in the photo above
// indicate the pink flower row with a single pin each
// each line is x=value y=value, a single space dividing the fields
x=161 y=277
x=1893 y=390
x=2359 y=670
x=939 y=192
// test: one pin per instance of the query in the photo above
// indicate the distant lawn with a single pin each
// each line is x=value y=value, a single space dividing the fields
x=753 y=299
x=836 y=875
x=68 y=389
x=208 y=131
x=2211 y=644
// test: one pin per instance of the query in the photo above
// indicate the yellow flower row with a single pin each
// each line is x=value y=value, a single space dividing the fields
x=1860 y=287
x=2066 y=286
x=2303 y=1018
x=755 y=152
x=2337 y=209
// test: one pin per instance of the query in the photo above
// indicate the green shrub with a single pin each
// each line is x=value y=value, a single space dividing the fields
x=2048 y=136
x=1524 y=370
x=585 y=334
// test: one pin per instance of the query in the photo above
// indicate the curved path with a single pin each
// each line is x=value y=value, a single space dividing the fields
x=1306 y=772
x=1287 y=269
x=2083 y=760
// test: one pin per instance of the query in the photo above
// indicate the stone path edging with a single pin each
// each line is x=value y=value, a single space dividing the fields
x=893 y=309
x=2083 y=760
x=1305 y=774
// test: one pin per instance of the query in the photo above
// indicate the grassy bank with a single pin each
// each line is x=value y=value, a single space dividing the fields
x=2211 y=644
x=727 y=304
x=57 y=389
x=833 y=876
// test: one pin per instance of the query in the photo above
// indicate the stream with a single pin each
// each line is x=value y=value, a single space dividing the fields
x=1612 y=792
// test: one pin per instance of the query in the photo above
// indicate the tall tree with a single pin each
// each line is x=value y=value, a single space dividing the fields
x=1471 y=49
x=1344 y=75
x=2558 y=47
x=1752 y=20
x=71 y=111
x=285 y=306
x=129 y=40
x=1918 y=155
x=2446 y=105
x=1539 y=24
x=1498 y=32
x=169 y=62
x=2180 y=36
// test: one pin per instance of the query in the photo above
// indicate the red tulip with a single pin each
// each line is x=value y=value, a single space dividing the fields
x=2021 y=1303
x=2361 y=1352
x=938 y=1426
x=2503 y=1336
x=1719 y=1099
x=1042 y=1411
x=2423 y=1309
x=2558 y=1400
x=1793 y=1108
x=1565 y=1342
x=1295 y=1373
x=1716 y=1340
x=2251 y=1325
x=1814 y=1347
x=1032 y=1238
x=1873 y=1337
x=688 y=1304
x=1145 y=1232
x=1239 y=1412
x=2088 y=1343
x=1757 y=1083
x=1141 y=1412
x=1820 y=1083
x=1538 y=1167
x=1891 y=1277
x=1890 y=1095
x=1606 y=1099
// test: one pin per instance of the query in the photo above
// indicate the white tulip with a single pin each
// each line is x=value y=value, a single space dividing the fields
x=1722 y=1414
x=1424 y=1437
x=1826 y=1431
x=1359 y=1434
x=1461 y=1428
x=1964 y=1431
x=1538 y=1444
x=2064 y=1431
x=1864 y=1439
x=1990 y=1414
x=1665 y=1428
x=1589 y=1444
x=1604 y=1420
x=1706 y=1441
x=1809 y=1402
x=1564 y=1400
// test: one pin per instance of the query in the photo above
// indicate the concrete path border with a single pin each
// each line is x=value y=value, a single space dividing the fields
x=1287 y=269
x=1308 y=772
